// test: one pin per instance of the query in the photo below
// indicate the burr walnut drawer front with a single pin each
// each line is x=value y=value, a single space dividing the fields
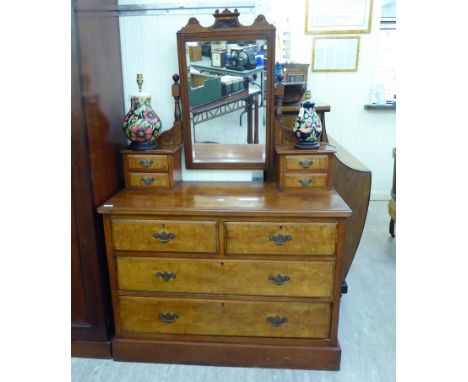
x=224 y=317
x=305 y=181
x=147 y=162
x=281 y=238
x=148 y=180
x=246 y=277
x=165 y=236
x=307 y=163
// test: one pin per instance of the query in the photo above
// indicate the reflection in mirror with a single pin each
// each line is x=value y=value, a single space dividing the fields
x=226 y=88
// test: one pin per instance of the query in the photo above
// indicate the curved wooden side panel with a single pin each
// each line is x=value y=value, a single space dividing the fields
x=352 y=180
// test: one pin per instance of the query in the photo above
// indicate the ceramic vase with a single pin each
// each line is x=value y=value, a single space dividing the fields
x=141 y=125
x=307 y=127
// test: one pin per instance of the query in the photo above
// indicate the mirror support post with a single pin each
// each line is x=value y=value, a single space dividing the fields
x=279 y=93
x=174 y=136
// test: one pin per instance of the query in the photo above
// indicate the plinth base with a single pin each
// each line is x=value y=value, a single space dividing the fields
x=228 y=354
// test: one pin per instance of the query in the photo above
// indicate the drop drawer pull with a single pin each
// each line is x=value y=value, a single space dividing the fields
x=306 y=163
x=280 y=239
x=305 y=182
x=146 y=162
x=279 y=279
x=168 y=317
x=277 y=321
x=164 y=236
x=147 y=181
x=166 y=276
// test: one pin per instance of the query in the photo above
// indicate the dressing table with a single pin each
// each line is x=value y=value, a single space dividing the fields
x=227 y=273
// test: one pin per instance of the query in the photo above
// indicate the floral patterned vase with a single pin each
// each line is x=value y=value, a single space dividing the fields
x=308 y=127
x=141 y=124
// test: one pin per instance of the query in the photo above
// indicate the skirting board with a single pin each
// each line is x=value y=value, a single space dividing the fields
x=227 y=354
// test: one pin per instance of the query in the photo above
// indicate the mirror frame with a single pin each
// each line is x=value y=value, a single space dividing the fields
x=227 y=27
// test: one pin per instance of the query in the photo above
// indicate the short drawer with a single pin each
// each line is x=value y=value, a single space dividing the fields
x=246 y=277
x=306 y=181
x=148 y=180
x=147 y=162
x=225 y=317
x=306 y=163
x=164 y=236
x=281 y=238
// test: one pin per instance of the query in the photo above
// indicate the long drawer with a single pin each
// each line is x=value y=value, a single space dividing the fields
x=247 y=277
x=225 y=317
x=281 y=238
x=164 y=236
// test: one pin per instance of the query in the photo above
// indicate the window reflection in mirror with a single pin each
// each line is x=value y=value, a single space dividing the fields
x=226 y=88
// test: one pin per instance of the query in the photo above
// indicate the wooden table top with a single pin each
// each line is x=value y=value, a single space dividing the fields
x=258 y=199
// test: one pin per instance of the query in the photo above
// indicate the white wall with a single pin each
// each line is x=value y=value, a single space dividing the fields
x=149 y=47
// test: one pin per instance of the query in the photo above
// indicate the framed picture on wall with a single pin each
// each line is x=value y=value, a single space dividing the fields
x=338 y=16
x=335 y=54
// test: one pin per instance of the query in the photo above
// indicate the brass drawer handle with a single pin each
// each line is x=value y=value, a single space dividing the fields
x=280 y=239
x=147 y=181
x=166 y=276
x=164 y=236
x=169 y=317
x=305 y=182
x=279 y=279
x=146 y=162
x=277 y=321
x=306 y=163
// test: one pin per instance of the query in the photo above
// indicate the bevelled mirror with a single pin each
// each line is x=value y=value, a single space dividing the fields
x=226 y=77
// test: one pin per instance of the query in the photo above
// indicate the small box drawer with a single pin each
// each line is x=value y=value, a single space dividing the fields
x=245 y=277
x=147 y=162
x=306 y=181
x=148 y=180
x=307 y=163
x=281 y=238
x=164 y=236
x=225 y=317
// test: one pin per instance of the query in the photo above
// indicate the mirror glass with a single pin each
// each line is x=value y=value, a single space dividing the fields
x=226 y=90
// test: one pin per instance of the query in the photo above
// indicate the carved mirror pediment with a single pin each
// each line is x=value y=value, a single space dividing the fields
x=227 y=86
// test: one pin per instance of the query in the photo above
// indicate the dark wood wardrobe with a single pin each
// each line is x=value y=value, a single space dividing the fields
x=97 y=108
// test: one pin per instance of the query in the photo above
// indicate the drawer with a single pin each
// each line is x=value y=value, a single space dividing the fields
x=306 y=181
x=281 y=238
x=164 y=236
x=148 y=180
x=147 y=162
x=306 y=163
x=225 y=317
x=269 y=278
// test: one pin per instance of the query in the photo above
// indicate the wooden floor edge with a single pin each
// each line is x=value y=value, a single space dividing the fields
x=228 y=354
x=91 y=349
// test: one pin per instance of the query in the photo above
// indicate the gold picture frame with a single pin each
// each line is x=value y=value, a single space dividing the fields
x=320 y=64
x=333 y=10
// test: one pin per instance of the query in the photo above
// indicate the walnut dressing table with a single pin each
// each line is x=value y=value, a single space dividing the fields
x=227 y=273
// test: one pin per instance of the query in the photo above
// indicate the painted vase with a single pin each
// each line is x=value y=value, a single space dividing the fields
x=141 y=124
x=307 y=127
